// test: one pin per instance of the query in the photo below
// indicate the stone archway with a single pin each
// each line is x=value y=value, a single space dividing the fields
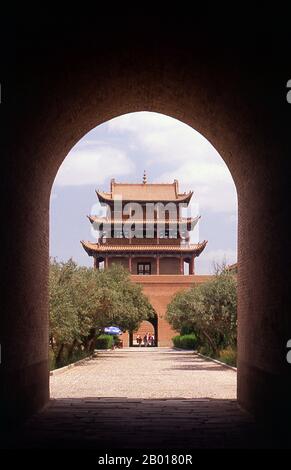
x=57 y=91
x=147 y=326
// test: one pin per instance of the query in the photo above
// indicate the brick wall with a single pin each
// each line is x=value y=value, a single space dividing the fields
x=160 y=290
x=169 y=266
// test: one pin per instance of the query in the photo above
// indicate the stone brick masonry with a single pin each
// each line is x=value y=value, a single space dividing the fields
x=160 y=290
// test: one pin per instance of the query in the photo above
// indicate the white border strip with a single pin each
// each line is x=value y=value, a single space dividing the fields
x=73 y=364
x=215 y=360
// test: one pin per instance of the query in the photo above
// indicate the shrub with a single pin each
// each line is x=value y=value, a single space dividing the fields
x=66 y=359
x=177 y=341
x=228 y=356
x=188 y=341
x=206 y=350
x=78 y=355
x=209 y=310
x=185 y=341
x=104 y=342
x=52 y=360
x=186 y=330
x=116 y=340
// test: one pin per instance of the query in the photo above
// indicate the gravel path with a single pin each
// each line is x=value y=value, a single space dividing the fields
x=142 y=398
x=146 y=373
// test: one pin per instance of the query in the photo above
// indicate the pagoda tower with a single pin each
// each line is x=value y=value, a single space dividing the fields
x=144 y=231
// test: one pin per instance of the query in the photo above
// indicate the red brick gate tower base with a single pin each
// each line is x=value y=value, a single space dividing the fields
x=160 y=290
x=145 y=231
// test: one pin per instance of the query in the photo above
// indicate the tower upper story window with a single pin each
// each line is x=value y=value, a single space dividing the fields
x=144 y=269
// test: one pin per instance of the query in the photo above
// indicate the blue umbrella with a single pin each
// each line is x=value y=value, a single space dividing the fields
x=113 y=330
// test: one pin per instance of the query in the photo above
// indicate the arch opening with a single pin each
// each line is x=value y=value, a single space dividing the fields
x=261 y=356
x=160 y=273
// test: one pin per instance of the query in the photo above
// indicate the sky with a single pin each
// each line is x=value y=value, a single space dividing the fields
x=166 y=149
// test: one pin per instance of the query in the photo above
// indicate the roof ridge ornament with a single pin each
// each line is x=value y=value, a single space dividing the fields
x=144 y=179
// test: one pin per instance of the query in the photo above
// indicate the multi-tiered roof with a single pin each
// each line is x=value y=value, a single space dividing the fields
x=161 y=242
x=144 y=192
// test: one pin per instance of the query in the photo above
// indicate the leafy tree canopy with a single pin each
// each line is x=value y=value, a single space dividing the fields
x=82 y=298
x=210 y=309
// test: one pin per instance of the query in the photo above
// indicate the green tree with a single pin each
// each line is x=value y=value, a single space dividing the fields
x=120 y=302
x=83 y=301
x=63 y=319
x=209 y=309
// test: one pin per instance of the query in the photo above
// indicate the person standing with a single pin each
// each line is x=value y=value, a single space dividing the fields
x=145 y=340
x=148 y=338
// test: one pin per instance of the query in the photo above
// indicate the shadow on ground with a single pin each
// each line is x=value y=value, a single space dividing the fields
x=92 y=423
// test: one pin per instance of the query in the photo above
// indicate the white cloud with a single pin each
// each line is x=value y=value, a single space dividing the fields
x=93 y=162
x=170 y=139
x=220 y=256
x=141 y=121
x=187 y=155
x=168 y=150
x=212 y=183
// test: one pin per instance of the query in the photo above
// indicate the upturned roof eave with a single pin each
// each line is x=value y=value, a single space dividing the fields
x=190 y=222
x=94 y=248
x=106 y=198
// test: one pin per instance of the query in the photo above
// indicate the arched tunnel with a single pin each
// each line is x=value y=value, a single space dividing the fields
x=57 y=88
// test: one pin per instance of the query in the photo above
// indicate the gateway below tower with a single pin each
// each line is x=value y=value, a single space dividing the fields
x=145 y=232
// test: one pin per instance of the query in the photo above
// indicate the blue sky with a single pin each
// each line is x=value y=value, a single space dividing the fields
x=122 y=149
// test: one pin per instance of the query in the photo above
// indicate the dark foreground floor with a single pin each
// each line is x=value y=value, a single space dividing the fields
x=91 y=423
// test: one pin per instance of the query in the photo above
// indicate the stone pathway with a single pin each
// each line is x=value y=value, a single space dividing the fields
x=143 y=398
x=146 y=373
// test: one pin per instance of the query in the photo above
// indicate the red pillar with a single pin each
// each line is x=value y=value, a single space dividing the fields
x=129 y=264
x=106 y=262
x=181 y=265
x=96 y=264
x=158 y=264
x=192 y=268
